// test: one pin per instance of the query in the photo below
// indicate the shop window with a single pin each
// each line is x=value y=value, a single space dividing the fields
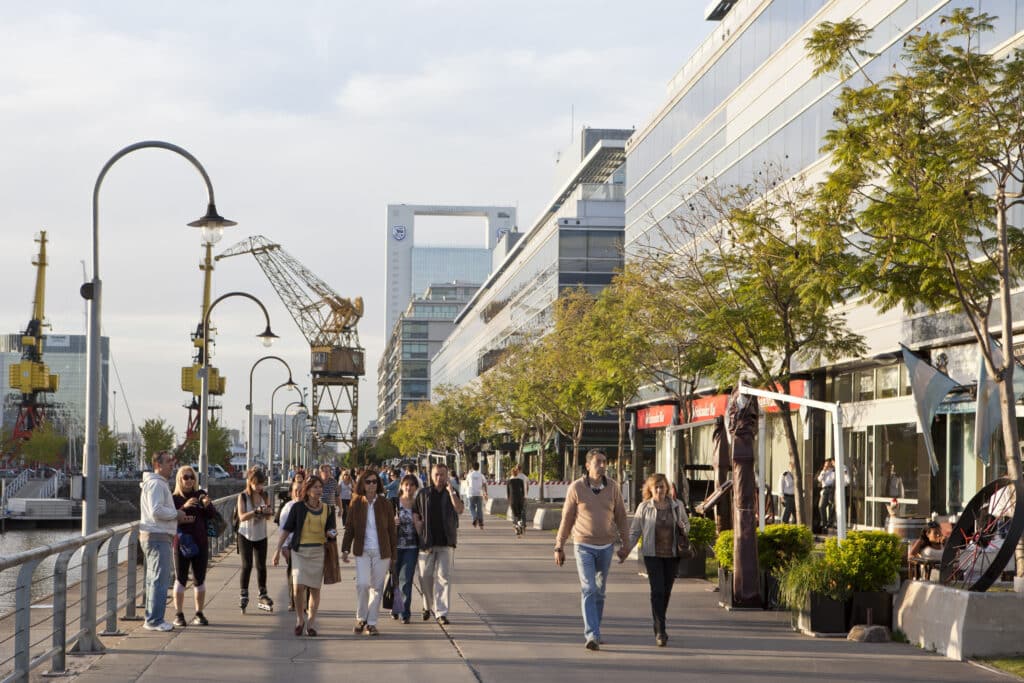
x=843 y=387
x=864 y=385
x=888 y=381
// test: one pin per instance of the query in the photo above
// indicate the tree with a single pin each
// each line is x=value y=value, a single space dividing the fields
x=107 y=445
x=413 y=431
x=742 y=260
x=218 y=446
x=157 y=436
x=44 y=445
x=459 y=419
x=926 y=164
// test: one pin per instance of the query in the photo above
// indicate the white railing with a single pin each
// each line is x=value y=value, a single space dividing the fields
x=52 y=486
x=12 y=487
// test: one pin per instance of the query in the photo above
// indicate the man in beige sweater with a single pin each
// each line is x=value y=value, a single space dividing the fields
x=596 y=516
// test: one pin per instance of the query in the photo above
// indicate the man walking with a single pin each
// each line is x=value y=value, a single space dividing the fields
x=331 y=496
x=787 y=487
x=157 y=526
x=595 y=515
x=476 y=489
x=517 y=487
x=436 y=518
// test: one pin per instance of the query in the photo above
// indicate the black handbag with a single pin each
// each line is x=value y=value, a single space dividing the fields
x=684 y=549
x=387 y=600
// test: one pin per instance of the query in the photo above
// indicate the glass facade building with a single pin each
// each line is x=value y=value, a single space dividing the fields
x=448 y=264
x=748 y=98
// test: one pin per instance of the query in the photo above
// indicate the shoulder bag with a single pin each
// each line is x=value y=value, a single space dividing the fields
x=684 y=550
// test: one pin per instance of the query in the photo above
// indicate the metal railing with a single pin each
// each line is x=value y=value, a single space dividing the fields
x=52 y=486
x=11 y=488
x=27 y=562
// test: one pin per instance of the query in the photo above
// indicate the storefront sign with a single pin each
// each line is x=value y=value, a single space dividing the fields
x=655 y=417
x=710 y=407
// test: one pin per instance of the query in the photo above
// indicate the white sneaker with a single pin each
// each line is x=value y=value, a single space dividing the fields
x=162 y=626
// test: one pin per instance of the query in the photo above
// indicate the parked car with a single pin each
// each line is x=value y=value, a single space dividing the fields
x=218 y=472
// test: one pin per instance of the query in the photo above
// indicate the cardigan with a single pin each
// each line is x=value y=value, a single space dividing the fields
x=593 y=518
x=355 y=526
x=297 y=518
x=646 y=518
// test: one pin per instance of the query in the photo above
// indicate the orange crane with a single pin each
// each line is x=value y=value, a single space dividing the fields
x=328 y=321
x=30 y=376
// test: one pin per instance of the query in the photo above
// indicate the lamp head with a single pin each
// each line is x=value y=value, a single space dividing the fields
x=268 y=337
x=212 y=225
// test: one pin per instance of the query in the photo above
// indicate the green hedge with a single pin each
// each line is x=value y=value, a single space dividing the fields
x=777 y=546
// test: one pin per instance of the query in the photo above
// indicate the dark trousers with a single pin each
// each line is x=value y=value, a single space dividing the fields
x=405 y=567
x=788 y=508
x=344 y=510
x=661 y=574
x=250 y=550
x=827 y=507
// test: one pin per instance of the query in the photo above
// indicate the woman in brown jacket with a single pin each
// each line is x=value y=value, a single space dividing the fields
x=371 y=536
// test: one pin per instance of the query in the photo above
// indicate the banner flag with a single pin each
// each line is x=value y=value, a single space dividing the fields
x=929 y=387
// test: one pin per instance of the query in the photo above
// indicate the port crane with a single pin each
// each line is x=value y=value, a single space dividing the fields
x=190 y=380
x=30 y=376
x=328 y=321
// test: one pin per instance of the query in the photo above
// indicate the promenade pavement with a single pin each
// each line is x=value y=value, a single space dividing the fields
x=514 y=617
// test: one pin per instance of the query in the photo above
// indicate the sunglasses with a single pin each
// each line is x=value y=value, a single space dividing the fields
x=370 y=481
x=188 y=476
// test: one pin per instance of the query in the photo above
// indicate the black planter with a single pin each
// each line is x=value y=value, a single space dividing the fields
x=824 y=615
x=694 y=568
x=880 y=604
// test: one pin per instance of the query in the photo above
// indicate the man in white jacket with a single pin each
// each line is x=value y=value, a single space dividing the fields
x=158 y=524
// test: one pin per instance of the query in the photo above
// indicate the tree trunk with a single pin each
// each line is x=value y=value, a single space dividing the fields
x=794 y=461
x=621 y=409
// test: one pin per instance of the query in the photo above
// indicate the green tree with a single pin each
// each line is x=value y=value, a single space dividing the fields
x=742 y=259
x=218 y=446
x=157 y=436
x=44 y=445
x=413 y=432
x=107 y=442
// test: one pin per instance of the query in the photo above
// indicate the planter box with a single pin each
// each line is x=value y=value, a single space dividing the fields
x=694 y=568
x=823 y=616
x=880 y=604
x=770 y=591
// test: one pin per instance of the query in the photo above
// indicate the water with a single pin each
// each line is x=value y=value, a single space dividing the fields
x=19 y=540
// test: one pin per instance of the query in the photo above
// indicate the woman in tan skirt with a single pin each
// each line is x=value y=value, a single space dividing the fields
x=310 y=526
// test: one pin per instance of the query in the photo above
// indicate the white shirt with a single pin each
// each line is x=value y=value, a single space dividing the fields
x=370 y=542
x=827 y=478
x=786 y=484
x=254 y=528
x=475 y=483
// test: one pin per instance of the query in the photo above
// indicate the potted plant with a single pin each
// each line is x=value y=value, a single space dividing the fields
x=870 y=560
x=702 y=537
x=817 y=590
x=724 y=557
x=777 y=547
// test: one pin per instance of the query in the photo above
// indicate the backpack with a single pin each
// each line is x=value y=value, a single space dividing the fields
x=236 y=521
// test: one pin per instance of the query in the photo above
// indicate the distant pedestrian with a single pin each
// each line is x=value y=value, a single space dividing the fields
x=517 y=487
x=309 y=526
x=330 y=497
x=476 y=490
x=392 y=489
x=787 y=487
x=595 y=515
x=345 y=484
x=408 y=546
x=371 y=537
x=436 y=517
x=658 y=521
x=199 y=508
x=827 y=502
x=254 y=509
x=157 y=526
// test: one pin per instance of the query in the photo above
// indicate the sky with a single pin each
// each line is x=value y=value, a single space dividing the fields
x=309 y=120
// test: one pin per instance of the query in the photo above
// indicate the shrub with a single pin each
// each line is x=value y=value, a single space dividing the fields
x=781 y=544
x=723 y=550
x=812 y=574
x=869 y=559
x=702 y=532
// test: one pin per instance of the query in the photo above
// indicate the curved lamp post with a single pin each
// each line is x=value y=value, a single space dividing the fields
x=273 y=394
x=296 y=442
x=289 y=452
x=204 y=395
x=248 y=407
x=211 y=224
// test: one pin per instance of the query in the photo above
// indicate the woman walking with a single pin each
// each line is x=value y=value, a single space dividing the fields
x=408 y=544
x=345 y=493
x=191 y=549
x=309 y=526
x=371 y=536
x=254 y=509
x=659 y=520
x=295 y=491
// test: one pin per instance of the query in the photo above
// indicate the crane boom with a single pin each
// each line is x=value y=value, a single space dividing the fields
x=328 y=322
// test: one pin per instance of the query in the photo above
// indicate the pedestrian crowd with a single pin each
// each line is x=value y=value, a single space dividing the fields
x=394 y=526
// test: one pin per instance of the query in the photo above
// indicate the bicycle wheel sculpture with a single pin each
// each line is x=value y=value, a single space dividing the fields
x=985 y=536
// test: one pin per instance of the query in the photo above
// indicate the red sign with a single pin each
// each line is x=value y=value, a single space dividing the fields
x=710 y=407
x=654 y=417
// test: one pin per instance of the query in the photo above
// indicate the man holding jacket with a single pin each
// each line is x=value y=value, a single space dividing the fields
x=158 y=524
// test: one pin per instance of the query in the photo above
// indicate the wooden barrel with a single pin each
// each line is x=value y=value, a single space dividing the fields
x=907 y=528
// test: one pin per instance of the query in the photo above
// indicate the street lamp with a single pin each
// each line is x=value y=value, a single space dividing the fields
x=291 y=451
x=273 y=394
x=204 y=373
x=248 y=407
x=210 y=223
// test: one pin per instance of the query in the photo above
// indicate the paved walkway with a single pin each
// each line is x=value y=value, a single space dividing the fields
x=514 y=618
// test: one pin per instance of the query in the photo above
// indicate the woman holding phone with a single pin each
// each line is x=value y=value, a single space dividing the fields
x=254 y=509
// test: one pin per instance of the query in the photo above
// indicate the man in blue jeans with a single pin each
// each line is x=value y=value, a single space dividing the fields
x=157 y=526
x=595 y=514
x=476 y=490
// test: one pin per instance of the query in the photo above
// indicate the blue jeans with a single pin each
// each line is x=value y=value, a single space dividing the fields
x=405 y=565
x=158 y=578
x=592 y=566
x=476 y=508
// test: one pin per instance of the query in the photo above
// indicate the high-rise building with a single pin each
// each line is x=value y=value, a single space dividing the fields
x=412 y=267
x=403 y=374
x=65 y=355
x=747 y=97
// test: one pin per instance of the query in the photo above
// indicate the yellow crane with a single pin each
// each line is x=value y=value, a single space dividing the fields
x=30 y=376
x=328 y=321
x=190 y=380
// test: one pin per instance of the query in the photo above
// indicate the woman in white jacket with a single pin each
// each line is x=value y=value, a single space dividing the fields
x=659 y=520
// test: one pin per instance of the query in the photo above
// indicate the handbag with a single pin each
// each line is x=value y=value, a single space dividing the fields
x=387 y=600
x=684 y=550
x=187 y=545
x=332 y=571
